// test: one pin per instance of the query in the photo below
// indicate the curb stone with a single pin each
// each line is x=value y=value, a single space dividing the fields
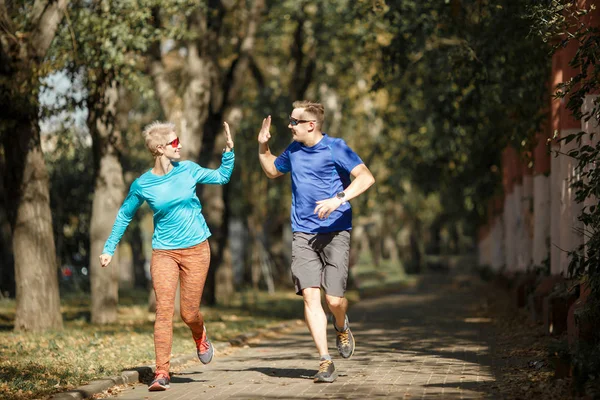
x=138 y=374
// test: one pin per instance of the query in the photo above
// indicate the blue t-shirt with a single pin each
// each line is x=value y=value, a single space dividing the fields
x=318 y=173
x=178 y=220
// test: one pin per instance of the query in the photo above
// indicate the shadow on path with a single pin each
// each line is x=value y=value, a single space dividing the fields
x=285 y=372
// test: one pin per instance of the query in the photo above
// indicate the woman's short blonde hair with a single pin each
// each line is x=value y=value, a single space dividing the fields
x=157 y=134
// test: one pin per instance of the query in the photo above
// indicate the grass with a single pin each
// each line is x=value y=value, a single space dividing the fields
x=37 y=365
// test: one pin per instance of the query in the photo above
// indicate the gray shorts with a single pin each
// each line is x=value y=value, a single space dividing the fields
x=321 y=260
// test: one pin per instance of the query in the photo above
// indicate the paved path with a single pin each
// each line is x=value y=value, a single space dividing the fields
x=428 y=343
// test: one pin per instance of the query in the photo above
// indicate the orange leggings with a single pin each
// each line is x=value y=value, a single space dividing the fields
x=190 y=267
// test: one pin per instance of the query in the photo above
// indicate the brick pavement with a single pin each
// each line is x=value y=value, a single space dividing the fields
x=426 y=343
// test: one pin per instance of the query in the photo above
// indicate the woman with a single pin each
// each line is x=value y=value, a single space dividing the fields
x=180 y=249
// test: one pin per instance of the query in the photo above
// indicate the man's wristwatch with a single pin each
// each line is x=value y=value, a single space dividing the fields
x=341 y=196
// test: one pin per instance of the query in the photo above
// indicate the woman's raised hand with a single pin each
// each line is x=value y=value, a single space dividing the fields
x=228 y=139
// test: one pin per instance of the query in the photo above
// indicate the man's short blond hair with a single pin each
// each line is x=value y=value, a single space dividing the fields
x=157 y=134
x=316 y=110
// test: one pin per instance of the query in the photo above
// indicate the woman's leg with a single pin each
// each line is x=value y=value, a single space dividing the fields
x=165 y=272
x=194 y=269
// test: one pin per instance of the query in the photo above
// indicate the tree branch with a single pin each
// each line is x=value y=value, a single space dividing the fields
x=256 y=72
x=38 y=10
x=7 y=35
x=298 y=56
x=235 y=76
x=46 y=15
x=303 y=74
x=307 y=79
x=6 y=23
x=208 y=39
x=164 y=91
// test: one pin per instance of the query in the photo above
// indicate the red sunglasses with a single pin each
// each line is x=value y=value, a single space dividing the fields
x=174 y=143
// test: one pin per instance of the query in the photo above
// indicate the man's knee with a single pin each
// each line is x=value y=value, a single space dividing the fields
x=334 y=301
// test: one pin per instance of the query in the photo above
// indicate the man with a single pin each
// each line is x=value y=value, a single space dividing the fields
x=321 y=216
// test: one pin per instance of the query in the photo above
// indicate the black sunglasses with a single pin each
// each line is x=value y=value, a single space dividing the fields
x=294 y=121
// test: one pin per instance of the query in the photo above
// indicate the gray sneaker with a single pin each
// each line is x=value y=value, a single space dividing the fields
x=205 y=349
x=326 y=372
x=344 y=340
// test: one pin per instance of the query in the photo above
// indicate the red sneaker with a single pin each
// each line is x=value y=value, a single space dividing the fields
x=160 y=382
x=205 y=349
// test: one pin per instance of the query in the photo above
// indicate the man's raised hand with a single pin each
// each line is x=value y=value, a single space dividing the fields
x=264 y=135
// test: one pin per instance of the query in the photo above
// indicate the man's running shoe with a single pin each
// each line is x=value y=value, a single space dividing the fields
x=326 y=372
x=205 y=349
x=344 y=340
x=160 y=382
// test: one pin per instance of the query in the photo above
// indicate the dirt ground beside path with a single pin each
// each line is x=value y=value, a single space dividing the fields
x=519 y=346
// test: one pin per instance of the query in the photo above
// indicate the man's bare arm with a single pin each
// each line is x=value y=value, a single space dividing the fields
x=267 y=161
x=363 y=179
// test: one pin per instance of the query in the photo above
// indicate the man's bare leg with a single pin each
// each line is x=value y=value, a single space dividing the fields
x=338 y=307
x=344 y=337
x=316 y=318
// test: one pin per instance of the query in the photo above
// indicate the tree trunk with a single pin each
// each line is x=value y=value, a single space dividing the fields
x=26 y=177
x=357 y=238
x=215 y=207
x=127 y=255
x=138 y=257
x=196 y=103
x=109 y=189
x=259 y=257
x=7 y=269
x=373 y=232
x=415 y=247
x=36 y=272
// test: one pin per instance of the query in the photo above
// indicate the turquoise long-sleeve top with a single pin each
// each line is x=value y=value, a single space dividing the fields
x=178 y=219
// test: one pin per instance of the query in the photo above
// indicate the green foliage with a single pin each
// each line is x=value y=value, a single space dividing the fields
x=102 y=43
x=465 y=81
x=108 y=40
